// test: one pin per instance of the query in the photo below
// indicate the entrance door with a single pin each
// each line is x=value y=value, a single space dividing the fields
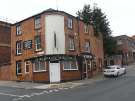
x=54 y=72
x=84 y=70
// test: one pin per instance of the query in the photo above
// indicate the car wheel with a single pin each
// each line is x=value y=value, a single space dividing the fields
x=124 y=71
x=117 y=74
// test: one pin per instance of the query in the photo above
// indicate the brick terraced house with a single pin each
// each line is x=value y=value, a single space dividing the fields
x=5 y=50
x=54 y=46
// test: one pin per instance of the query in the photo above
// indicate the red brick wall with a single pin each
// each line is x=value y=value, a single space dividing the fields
x=5 y=34
x=29 y=33
x=5 y=55
x=5 y=72
x=5 y=42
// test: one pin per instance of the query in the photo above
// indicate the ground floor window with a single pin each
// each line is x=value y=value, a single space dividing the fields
x=18 y=67
x=39 y=66
x=27 y=66
x=70 y=65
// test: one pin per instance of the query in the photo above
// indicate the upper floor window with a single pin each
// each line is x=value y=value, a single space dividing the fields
x=85 y=28
x=119 y=42
x=70 y=23
x=18 y=67
x=39 y=66
x=37 y=42
x=27 y=44
x=18 y=30
x=37 y=22
x=18 y=47
x=87 y=46
x=71 y=44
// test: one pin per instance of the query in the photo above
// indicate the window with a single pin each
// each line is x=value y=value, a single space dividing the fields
x=37 y=42
x=70 y=65
x=18 y=47
x=39 y=66
x=27 y=66
x=18 y=30
x=85 y=28
x=18 y=67
x=87 y=46
x=38 y=32
x=27 y=44
x=37 y=22
x=70 y=23
x=119 y=42
x=71 y=44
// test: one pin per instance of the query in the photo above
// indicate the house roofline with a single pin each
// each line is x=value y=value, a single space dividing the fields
x=47 y=11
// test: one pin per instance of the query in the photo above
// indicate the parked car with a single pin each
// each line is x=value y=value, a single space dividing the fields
x=114 y=70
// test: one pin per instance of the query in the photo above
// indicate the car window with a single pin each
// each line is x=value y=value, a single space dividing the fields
x=109 y=67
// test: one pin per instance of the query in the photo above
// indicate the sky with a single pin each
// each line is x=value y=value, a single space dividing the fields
x=120 y=13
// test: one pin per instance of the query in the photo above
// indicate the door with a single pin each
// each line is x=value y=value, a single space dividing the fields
x=54 y=72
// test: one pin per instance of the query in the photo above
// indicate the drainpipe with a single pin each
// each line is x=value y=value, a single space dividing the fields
x=86 y=68
x=79 y=47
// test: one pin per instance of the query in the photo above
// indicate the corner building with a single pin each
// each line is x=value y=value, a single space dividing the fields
x=54 y=46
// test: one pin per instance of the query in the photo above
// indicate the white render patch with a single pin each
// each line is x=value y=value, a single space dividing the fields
x=54 y=34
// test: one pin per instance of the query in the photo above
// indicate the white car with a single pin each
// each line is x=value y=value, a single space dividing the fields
x=114 y=70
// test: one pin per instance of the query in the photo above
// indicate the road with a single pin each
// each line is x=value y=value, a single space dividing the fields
x=110 y=89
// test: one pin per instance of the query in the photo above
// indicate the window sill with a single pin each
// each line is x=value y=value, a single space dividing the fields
x=27 y=72
x=86 y=32
x=87 y=51
x=19 y=54
x=37 y=28
x=70 y=69
x=19 y=34
x=40 y=71
x=19 y=74
x=38 y=50
x=71 y=49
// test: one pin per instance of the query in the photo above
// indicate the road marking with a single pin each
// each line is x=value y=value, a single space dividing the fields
x=20 y=97
x=50 y=91
x=55 y=90
x=65 y=88
x=24 y=96
x=17 y=99
x=9 y=94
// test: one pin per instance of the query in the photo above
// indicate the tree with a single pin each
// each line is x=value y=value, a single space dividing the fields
x=100 y=23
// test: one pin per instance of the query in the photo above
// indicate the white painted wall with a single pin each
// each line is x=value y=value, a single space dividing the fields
x=54 y=24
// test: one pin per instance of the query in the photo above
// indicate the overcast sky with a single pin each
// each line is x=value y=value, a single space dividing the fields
x=121 y=13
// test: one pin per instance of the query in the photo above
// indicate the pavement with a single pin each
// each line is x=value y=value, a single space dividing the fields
x=97 y=88
x=72 y=84
x=31 y=85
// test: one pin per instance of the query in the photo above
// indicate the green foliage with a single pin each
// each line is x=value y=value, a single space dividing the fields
x=110 y=46
x=85 y=14
x=100 y=23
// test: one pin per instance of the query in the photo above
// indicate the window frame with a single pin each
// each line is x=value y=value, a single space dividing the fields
x=29 y=42
x=70 y=23
x=18 y=30
x=71 y=43
x=27 y=63
x=17 y=63
x=39 y=61
x=86 y=29
x=37 y=22
x=87 y=47
x=36 y=44
x=70 y=69
x=19 y=47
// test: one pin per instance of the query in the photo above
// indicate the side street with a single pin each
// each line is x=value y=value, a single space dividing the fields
x=24 y=91
x=55 y=55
